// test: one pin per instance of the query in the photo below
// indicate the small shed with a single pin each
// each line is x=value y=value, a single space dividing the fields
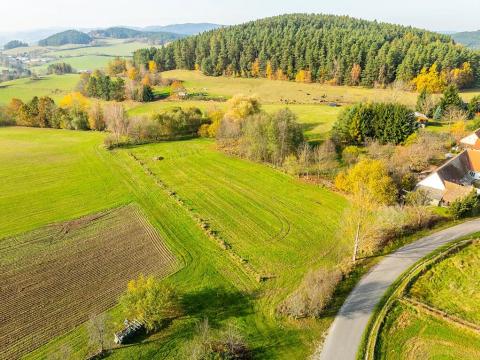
x=131 y=329
x=422 y=119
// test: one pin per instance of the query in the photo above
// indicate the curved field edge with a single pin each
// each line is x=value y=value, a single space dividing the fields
x=212 y=284
x=369 y=345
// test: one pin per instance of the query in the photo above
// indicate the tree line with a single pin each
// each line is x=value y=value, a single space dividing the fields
x=322 y=48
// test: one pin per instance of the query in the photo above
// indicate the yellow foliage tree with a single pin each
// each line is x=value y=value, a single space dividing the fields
x=431 y=80
x=279 y=75
x=146 y=80
x=462 y=77
x=304 y=76
x=355 y=74
x=256 y=68
x=269 y=71
x=132 y=73
x=74 y=100
x=197 y=67
x=369 y=180
x=152 y=67
x=458 y=130
x=241 y=106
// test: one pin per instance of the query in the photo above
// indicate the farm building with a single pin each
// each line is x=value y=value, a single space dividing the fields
x=131 y=329
x=454 y=180
x=422 y=119
x=472 y=141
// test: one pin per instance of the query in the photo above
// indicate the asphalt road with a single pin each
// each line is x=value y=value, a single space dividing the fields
x=345 y=334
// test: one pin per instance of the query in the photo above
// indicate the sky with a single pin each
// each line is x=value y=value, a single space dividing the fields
x=439 y=15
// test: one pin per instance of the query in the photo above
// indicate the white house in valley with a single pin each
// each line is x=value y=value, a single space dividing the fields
x=455 y=179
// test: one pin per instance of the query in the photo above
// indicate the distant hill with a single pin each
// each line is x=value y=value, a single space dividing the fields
x=185 y=29
x=128 y=33
x=470 y=39
x=319 y=48
x=66 y=37
x=14 y=44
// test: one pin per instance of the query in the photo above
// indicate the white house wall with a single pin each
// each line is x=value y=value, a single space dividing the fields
x=470 y=139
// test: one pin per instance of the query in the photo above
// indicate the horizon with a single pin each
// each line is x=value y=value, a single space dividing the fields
x=441 y=16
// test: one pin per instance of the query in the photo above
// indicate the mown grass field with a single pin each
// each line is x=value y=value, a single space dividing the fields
x=55 y=277
x=55 y=86
x=85 y=62
x=55 y=175
x=451 y=286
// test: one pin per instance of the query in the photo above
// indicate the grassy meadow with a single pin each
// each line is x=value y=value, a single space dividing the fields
x=451 y=286
x=55 y=86
x=83 y=62
x=409 y=334
x=270 y=218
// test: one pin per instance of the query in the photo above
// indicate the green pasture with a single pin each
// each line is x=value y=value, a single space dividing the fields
x=86 y=62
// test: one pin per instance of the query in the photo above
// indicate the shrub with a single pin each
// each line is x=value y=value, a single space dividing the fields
x=313 y=295
x=465 y=207
x=351 y=154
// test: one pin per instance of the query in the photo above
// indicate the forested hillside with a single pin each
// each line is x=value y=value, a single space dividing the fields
x=325 y=48
x=66 y=37
x=470 y=39
x=160 y=37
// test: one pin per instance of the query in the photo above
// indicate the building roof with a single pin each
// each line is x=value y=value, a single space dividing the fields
x=472 y=140
x=455 y=191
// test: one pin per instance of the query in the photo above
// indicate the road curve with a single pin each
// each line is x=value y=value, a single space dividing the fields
x=345 y=334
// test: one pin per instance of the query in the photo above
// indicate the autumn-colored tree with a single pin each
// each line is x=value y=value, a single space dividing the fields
x=132 y=73
x=256 y=68
x=269 y=71
x=462 y=77
x=96 y=119
x=355 y=74
x=431 y=80
x=146 y=81
x=240 y=106
x=152 y=67
x=279 y=75
x=74 y=100
x=304 y=76
x=368 y=179
x=458 y=130
x=149 y=301
x=116 y=67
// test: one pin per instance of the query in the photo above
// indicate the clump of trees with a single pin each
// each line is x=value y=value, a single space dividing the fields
x=434 y=81
x=466 y=207
x=101 y=86
x=60 y=69
x=14 y=44
x=74 y=112
x=385 y=122
x=149 y=301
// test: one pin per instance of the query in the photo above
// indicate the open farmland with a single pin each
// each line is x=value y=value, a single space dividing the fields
x=269 y=218
x=50 y=176
x=55 y=86
x=440 y=316
x=55 y=277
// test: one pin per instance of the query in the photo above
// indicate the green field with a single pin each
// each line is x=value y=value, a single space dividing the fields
x=409 y=334
x=451 y=287
x=55 y=86
x=268 y=217
x=85 y=62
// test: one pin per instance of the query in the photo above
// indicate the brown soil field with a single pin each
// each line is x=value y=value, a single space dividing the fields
x=54 y=278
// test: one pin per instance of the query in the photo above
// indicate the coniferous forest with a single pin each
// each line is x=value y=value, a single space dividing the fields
x=321 y=48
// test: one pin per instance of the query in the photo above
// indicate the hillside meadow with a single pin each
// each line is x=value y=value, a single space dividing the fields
x=449 y=287
x=268 y=217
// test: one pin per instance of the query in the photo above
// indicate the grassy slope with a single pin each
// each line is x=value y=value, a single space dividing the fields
x=453 y=285
x=55 y=86
x=85 y=62
x=411 y=335
x=50 y=175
